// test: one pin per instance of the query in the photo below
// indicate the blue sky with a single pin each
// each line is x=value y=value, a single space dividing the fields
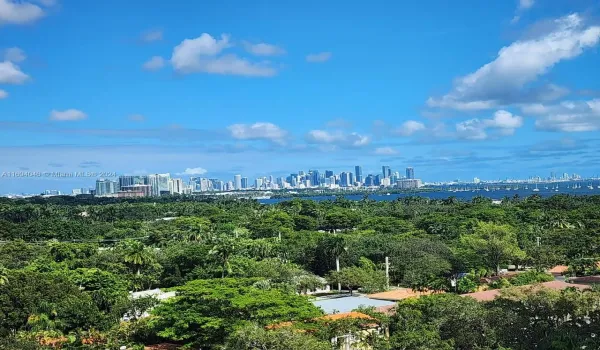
x=458 y=89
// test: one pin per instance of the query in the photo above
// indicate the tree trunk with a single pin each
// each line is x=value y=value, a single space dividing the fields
x=337 y=268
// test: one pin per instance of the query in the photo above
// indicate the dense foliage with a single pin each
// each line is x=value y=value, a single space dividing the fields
x=67 y=265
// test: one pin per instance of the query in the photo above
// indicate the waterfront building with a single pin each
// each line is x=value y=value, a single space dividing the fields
x=410 y=173
x=237 y=182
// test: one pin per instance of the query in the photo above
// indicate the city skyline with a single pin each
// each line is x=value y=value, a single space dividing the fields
x=460 y=90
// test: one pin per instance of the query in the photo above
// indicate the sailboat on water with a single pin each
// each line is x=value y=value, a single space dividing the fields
x=536 y=189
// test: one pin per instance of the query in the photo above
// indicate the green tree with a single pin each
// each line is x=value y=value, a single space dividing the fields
x=136 y=254
x=223 y=249
x=206 y=311
x=254 y=337
x=354 y=277
x=493 y=244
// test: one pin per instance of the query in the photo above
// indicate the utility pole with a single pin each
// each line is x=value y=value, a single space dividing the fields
x=387 y=272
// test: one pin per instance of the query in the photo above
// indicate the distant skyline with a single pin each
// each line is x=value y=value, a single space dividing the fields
x=506 y=89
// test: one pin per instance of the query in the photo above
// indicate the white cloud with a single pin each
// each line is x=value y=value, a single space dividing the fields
x=385 y=151
x=193 y=171
x=152 y=35
x=3 y=94
x=338 y=138
x=263 y=49
x=153 y=64
x=136 y=118
x=258 y=131
x=505 y=80
x=19 y=12
x=503 y=123
x=568 y=116
x=10 y=73
x=409 y=127
x=67 y=115
x=203 y=55
x=318 y=57
x=14 y=54
x=526 y=4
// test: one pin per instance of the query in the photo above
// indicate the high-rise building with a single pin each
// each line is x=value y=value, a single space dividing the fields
x=351 y=179
x=315 y=180
x=386 y=171
x=176 y=186
x=105 y=187
x=345 y=179
x=369 y=180
x=131 y=180
x=258 y=183
x=410 y=173
x=244 y=183
x=328 y=173
x=159 y=183
x=237 y=182
x=377 y=180
x=358 y=173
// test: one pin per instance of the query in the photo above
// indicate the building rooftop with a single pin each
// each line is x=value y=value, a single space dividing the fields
x=347 y=304
x=489 y=295
x=398 y=294
x=558 y=269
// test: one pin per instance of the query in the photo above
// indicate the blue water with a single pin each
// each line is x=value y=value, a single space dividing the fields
x=466 y=195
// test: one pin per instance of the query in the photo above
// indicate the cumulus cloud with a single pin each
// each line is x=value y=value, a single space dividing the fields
x=567 y=116
x=318 y=57
x=388 y=151
x=263 y=49
x=14 y=54
x=204 y=54
x=152 y=36
x=258 y=131
x=67 y=115
x=503 y=123
x=193 y=171
x=338 y=138
x=19 y=12
x=409 y=128
x=3 y=94
x=507 y=79
x=154 y=64
x=10 y=73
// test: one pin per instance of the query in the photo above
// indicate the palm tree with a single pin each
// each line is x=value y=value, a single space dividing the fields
x=337 y=247
x=223 y=249
x=136 y=254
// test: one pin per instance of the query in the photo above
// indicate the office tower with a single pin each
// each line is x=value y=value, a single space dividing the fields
x=301 y=173
x=131 y=180
x=258 y=183
x=358 y=173
x=293 y=180
x=176 y=186
x=377 y=180
x=315 y=180
x=386 y=171
x=237 y=182
x=328 y=173
x=410 y=173
x=351 y=179
x=271 y=179
x=159 y=183
x=244 y=183
x=105 y=187
x=369 y=180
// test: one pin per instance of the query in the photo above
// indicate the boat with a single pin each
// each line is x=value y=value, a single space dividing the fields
x=536 y=189
x=590 y=187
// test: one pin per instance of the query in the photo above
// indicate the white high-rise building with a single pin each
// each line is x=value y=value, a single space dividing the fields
x=237 y=182
x=176 y=186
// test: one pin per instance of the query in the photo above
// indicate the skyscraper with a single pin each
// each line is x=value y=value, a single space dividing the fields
x=386 y=171
x=105 y=187
x=159 y=183
x=258 y=183
x=237 y=182
x=328 y=173
x=351 y=179
x=358 y=173
x=410 y=173
x=244 y=183
x=316 y=178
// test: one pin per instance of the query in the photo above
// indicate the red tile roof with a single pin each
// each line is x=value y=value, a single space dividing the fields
x=493 y=293
x=558 y=269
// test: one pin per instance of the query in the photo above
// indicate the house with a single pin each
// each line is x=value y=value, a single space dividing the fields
x=558 y=270
x=489 y=295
